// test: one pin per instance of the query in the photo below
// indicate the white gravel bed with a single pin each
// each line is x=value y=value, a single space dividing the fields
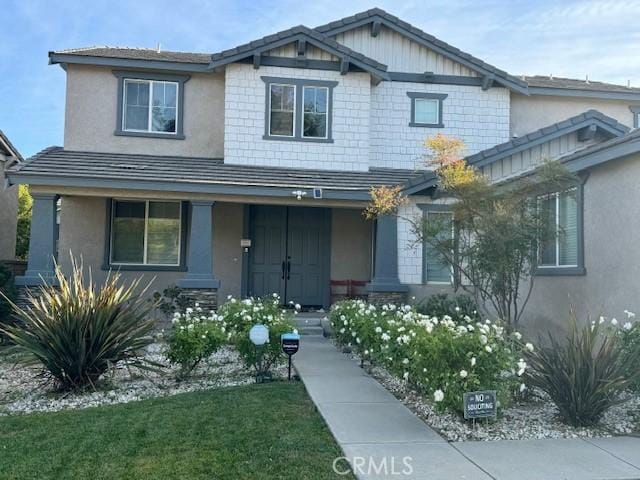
x=22 y=391
x=535 y=418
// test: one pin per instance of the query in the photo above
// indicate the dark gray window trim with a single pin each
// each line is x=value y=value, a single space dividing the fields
x=299 y=83
x=431 y=96
x=121 y=75
x=580 y=268
x=426 y=208
x=635 y=109
x=106 y=264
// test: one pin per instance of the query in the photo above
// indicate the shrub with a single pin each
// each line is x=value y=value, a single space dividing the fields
x=630 y=333
x=77 y=331
x=193 y=338
x=585 y=374
x=8 y=291
x=458 y=307
x=438 y=357
x=238 y=316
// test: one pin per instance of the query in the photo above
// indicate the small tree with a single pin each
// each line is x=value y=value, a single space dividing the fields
x=25 y=204
x=498 y=228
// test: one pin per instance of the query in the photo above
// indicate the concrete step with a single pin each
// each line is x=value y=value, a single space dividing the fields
x=307 y=321
x=315 y=330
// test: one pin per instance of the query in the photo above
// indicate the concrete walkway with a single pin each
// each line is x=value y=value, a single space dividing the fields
x=381 y=437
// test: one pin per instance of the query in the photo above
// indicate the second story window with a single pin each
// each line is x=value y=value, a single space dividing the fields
x=426 y=109
x=282 y=110
x=298 y=109
x=150 y=104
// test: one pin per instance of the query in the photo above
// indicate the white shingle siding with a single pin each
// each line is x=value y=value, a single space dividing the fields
x=409 y=251
x=480 y=118
x=245 y=122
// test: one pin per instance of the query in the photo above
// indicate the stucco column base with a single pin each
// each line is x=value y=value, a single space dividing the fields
x=380 y=298
x=206 y=298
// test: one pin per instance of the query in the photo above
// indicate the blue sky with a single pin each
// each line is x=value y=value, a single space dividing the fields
x=599 y=38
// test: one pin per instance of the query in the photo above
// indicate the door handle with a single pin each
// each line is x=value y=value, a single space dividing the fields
x=283 y=269
x=288 y=270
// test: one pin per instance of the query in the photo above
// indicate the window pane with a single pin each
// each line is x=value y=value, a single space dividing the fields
x=127 y=232
x=163 y=233
x=164 y=94
x=438 y=270
x=315 y=125
x=321 y=100
x=282 y=106
x=426 y=110
x=547 y=206
x=163 y=119
x=568 y=228
x=136 y=105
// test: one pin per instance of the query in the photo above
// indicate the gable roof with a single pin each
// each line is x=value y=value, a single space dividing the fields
x=9 y=149
x=290 y=35
x=590 y=118
x=549 y=85
x=59 y=167
x=619 y=147
x=429 y=41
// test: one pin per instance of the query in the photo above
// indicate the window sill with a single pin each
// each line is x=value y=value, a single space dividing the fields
x=145 y=268
x=426 y=125
x=560 y=271
x=168 y=136
x=298 y=139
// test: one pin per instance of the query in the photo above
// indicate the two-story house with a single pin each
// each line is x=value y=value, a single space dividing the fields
x=245 y=172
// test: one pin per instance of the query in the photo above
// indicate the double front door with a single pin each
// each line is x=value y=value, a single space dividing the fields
x=289 y=254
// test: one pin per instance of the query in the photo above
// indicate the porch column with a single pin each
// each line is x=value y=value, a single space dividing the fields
x=42 y=242
x=199 y=284
x=385 y=285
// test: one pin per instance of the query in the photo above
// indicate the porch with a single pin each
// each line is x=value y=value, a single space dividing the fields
x=212 y=248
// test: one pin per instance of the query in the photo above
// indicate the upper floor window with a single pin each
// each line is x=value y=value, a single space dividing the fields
x=298 y=109
x=146 y=233
x=150 y=105
x=562 y=253
x=426 y=109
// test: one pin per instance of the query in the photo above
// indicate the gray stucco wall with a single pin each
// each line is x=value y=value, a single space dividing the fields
x=8 y=216
x=612 y=254
x=90 y=116
x=351 y=236
x=82 y=231
x=530 y=113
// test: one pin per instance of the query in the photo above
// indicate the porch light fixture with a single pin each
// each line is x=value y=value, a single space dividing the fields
x=299 y=194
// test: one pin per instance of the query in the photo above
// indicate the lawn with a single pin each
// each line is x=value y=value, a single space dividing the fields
x=269 y=431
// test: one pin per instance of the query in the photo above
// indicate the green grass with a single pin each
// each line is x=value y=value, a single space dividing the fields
x=269 y=431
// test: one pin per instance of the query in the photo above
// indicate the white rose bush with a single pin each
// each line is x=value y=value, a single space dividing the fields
x=438 y=357
x=238 y=316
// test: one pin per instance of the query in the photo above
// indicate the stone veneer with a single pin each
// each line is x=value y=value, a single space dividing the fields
x=380 y=298
x=207 y=299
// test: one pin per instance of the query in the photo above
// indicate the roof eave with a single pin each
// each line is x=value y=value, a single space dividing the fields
x=64 y=59
x=583 y=93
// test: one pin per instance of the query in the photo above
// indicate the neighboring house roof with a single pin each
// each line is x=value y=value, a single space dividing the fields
x=290 y=35
x=8 y=148
x=423 y=38
x=591 y=119
x=56 y=166
x=549 y=85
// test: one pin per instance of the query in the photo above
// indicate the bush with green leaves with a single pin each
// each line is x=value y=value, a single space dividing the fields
x=586 y=373
x=78 y=330
x=238 y=316
x=439 y=358
x=630 y=333
x=193 y=338
x=8 y=290
x=458 y=307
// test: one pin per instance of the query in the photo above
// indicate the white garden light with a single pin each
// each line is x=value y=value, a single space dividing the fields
x=259 y=335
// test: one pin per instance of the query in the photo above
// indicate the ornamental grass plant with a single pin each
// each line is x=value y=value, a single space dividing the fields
x=78 y=329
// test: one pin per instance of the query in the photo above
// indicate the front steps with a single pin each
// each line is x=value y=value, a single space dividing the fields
x=308 y=323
